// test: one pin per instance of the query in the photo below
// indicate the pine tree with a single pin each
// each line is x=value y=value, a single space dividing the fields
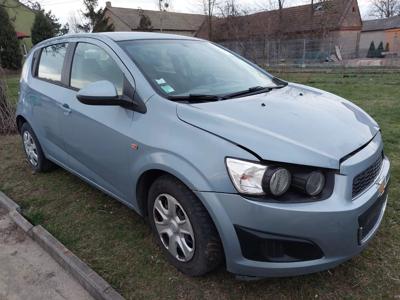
x=144 y=23
x=45 y=25
x=42 y=28
x=10 y=52
x=96 y=19
x=371 y=50
x=379 y=50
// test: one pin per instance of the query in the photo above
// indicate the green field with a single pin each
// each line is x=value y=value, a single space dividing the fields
x=12 y=87
x=117 y=243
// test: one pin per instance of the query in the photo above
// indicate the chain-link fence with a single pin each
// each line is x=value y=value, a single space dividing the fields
x=293 y=52
x=302 y=52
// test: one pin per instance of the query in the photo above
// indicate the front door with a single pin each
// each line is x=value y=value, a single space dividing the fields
x=98 y=138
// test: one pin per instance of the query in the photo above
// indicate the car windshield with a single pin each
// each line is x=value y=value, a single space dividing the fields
x=193 y=68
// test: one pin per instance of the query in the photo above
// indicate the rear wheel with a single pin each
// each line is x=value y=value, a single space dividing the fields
x=33 y=150
x=183 y=228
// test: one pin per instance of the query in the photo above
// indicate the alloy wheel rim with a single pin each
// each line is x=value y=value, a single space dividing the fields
x=174 y=227
x=30 y=148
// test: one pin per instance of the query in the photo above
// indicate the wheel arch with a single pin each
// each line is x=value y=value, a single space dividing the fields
x=148 y=177
x=143 y=185
x=20 y=120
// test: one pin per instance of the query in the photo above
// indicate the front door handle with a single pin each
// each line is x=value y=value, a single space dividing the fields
x=67 y=110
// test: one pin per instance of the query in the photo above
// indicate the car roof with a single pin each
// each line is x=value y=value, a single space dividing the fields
x=125 y=36
x=116 y=36
x=129 y=35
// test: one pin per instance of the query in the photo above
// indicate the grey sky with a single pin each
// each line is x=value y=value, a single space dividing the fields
x=64 y=8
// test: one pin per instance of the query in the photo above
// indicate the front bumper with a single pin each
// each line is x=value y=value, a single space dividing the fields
x=333 y=224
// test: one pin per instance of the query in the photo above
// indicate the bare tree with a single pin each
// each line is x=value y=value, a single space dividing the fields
x=272 y=4
x=74 y=22
x=163 y=5
x=7 y=108
x=229 y=8
x=231 y=12
x=209 y=10
x=385 y=8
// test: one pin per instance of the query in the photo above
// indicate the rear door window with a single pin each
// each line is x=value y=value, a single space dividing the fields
x=51 y=62
x=91 y=64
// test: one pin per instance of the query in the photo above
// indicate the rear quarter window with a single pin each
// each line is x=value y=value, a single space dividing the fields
x=51 y=62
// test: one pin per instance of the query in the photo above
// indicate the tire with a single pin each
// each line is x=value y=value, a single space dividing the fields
x=33 y=151
x=193 y=228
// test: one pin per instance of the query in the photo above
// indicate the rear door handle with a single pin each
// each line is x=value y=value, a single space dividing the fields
x=67 y=110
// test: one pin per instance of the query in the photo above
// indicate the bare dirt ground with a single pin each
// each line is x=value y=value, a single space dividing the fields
x=27 y=272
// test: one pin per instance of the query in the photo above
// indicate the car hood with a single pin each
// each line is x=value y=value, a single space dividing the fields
x=295 y=124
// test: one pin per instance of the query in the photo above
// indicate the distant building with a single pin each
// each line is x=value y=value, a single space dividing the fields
x=313 y=32
x=386 y=31
x=22 y=18
x=127 y=19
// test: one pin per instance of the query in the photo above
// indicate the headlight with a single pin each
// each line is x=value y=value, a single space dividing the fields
x=246 y=176
x=255 y=179
x=276 y=181
x=310 y=183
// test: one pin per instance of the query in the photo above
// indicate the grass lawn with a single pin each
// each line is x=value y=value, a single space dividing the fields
x=12 y=83
x=117 y=243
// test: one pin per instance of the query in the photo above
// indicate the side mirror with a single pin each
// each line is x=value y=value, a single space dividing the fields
x=104 y=93
x=99 y=93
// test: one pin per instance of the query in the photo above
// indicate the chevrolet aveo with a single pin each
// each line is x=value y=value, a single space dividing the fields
x=228 y=163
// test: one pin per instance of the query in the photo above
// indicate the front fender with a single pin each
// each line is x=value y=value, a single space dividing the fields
x=170 y=163
x=208 y=175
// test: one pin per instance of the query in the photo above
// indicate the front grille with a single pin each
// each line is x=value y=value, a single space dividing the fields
x=370 y=217
x=367 y=177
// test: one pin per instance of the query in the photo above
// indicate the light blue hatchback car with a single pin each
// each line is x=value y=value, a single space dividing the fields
x=227 y=162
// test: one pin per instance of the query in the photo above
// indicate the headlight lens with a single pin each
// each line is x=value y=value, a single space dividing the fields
x=276 y=181
x=246 y=176
x=315 y=183
x=311 y=184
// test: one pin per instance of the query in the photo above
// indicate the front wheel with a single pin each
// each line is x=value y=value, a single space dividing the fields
x=183 y=228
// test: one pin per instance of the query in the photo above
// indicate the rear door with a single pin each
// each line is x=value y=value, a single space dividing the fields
x=47 y=94
x=98 y=138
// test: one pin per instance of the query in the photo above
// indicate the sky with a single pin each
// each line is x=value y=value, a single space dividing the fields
x=63 y=9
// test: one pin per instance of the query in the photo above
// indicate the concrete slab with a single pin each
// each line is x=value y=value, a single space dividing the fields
x=7 y=203
x=28 y=272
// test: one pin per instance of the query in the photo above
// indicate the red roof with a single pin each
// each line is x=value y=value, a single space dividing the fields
x=21 y=35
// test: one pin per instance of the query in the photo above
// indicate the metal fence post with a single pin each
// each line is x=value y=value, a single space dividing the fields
x=304 y=54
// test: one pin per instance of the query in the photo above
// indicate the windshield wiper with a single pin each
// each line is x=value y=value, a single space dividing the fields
x=257 y=89
x=251 y=91
x=195 y=98
x=279 y=82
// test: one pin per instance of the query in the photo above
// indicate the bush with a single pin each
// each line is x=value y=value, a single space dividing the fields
x=379 y=50
x=7 y=109
x=10 y=52
x=371 y=50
